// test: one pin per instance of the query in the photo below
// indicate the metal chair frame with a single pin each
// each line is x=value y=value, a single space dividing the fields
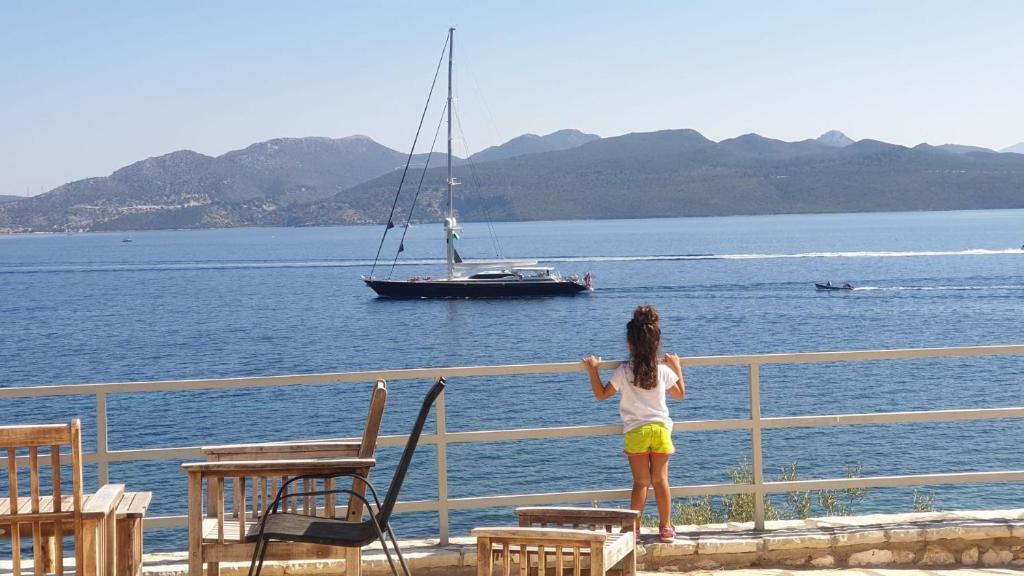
x=381 y=520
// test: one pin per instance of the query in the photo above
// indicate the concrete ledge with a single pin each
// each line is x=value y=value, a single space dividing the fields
x=988 y=538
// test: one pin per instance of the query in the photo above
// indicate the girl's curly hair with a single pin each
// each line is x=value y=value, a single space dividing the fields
x=643 y=333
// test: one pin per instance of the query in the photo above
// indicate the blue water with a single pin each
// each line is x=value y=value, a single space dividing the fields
x=204 y=304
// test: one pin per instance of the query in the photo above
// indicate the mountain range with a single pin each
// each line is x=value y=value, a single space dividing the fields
x=1016 y=148
x=564 y=175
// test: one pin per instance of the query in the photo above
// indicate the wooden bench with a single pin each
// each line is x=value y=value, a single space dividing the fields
x=558 y=539
x=107 y=524
x=130 y=513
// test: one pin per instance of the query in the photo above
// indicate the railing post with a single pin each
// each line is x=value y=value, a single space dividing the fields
x=102 y=470
x=755 y=445
x=442 y=470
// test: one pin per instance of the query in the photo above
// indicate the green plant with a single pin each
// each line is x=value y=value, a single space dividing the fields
x=843 y=502
x=798 y=503
x=740 y=507
x=924 y=501
x=696 y=511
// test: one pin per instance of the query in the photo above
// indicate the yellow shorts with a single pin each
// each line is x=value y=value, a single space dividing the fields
x=653 y=438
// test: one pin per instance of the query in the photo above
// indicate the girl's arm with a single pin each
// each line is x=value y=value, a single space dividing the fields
x=679 y=390
x=601 y=390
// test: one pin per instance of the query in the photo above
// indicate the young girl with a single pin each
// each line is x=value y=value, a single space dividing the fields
x=643 y=382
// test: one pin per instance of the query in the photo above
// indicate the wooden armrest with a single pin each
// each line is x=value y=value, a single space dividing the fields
x=279 y=467
x=580 y=513
x=134 y=504
x=103 y=502
x=283 y=448
x=553 y=534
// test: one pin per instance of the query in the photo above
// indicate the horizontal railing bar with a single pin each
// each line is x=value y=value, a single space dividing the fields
x=894 y=481
x=892 y=417
x=452 y=437
x=854 y=355
x=534 y=433
x=584 y=496
x=710 y=425
x=152 y=454
x=587 y=431
x=196 y=451
x=495 y=370
x=149 y=523
x=477 y=502
x=181 y=521
x=598 y=430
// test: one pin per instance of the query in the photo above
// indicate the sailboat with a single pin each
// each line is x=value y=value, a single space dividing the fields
x=476 y=278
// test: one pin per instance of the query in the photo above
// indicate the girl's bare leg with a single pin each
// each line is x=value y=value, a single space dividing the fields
x=662 y=492
x=640 y=466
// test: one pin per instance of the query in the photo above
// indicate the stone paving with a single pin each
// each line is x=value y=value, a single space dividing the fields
x=953 y=543
x=5 y=571
x=979 y=539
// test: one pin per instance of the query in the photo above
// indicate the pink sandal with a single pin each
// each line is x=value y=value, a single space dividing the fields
x=667 y=534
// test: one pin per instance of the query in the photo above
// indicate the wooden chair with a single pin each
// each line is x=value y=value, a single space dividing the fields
x=557 y=539
x=241 y=481
x=311 y=529
x=48 y=514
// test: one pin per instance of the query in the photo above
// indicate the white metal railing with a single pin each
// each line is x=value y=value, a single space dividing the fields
x=441 y=437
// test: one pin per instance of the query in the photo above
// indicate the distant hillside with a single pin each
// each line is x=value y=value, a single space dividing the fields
x=186 y=189
x=961 y=149
x=1016 y=148
x=754 y=145
x=835 y=138
x=4 y=198
x=320 y=181
x=533 y=144
x=681 y=173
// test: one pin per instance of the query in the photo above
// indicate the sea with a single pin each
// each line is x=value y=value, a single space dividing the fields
x=166 y=305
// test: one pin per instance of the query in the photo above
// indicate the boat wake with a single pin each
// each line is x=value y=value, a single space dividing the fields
x=272 y=264
x=938 y=288
x=774 y=256
x=185 y=266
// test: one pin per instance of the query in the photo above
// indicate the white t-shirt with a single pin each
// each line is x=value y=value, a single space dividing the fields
x=638 y=406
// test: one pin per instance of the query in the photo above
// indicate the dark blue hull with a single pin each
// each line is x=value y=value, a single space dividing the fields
x=829 y=287
x=473 y=288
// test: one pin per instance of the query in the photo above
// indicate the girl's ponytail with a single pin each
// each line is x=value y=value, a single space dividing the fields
x=643 y=333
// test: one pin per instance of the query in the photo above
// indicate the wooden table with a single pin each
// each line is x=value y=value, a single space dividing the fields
x=220 y=549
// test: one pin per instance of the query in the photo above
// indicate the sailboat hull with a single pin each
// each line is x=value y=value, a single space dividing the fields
x=473 y=288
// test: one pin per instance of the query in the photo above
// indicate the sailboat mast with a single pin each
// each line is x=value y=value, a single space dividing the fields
x=450 y=221
x=451 y=39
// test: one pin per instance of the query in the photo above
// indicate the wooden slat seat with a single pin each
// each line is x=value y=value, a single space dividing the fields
x=616 y=546
x=211 y=531
x=562 y=539
x=134 y=505
x=131 y=505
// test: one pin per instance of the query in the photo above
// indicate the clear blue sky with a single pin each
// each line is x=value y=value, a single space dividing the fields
x=87 y=87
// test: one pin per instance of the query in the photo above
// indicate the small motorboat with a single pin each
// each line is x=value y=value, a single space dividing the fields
x=830 y=286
